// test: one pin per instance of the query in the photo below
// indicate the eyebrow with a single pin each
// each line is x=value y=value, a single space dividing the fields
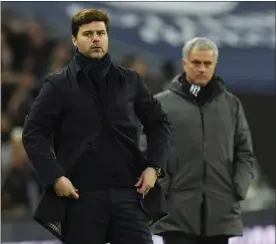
x=198 y=61
x=94 y=31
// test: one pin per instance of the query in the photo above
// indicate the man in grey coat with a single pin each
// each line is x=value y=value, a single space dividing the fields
x=211 y=162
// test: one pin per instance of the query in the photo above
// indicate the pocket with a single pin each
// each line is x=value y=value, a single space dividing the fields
x=138 y=201
x=87 y=143
x=231 y=175
x=141 y=206
x=236 y=194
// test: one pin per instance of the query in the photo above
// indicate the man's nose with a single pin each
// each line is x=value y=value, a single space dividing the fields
x=202 y=68
x=95 y=38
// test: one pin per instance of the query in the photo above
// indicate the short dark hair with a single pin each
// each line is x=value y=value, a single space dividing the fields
x=87 y=16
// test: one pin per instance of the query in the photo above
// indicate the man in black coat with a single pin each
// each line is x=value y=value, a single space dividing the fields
x=211 y=161
x=81 y=137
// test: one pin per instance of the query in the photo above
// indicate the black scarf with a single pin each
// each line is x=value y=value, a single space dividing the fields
x=94 y=68
x=205 y=93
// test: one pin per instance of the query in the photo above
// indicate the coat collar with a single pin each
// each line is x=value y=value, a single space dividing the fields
x=178 y=83
x=74 y=67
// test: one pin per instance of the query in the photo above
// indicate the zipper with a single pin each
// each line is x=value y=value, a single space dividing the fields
x=202 y=226
x=204 y=146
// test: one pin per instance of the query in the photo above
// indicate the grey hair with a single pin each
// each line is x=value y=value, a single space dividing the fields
x=199 y=43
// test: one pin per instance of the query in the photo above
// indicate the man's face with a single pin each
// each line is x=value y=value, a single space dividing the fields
x=92 y=39
x=200 y=66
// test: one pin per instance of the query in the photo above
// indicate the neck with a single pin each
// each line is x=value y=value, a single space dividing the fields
x=189 y=80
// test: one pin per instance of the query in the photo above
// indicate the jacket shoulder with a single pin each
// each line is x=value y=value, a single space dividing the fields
x=168 y=98
x=126 y=70
x=58 y=79
x=234 y=100
x=130 y=76
x=164 y=95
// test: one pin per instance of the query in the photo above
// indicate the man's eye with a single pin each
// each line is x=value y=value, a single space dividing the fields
x=196 y=62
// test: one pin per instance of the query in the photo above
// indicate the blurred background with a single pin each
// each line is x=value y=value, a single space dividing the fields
x=147 y=36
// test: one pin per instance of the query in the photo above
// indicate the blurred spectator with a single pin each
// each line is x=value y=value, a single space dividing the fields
x=168 y=72
x=152 y=81
x=18 y=176
x=21 y=98
x=14 y=29
x=39 y=49
x=60 y=57
x=6 y=128
x=7 y=56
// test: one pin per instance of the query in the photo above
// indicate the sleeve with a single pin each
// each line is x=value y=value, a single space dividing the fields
x=244 y=158
x=156 y=126
x=37 y=133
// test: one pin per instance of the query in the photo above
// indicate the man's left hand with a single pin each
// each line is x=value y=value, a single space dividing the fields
x=146 y=180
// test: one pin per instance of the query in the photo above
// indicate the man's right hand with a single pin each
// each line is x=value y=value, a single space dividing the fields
x=64 y=188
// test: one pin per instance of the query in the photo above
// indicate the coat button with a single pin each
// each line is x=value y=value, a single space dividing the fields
x=90 y=144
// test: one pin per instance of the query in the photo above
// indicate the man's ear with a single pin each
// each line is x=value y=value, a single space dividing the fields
x=184 y=63
x=74 y=41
